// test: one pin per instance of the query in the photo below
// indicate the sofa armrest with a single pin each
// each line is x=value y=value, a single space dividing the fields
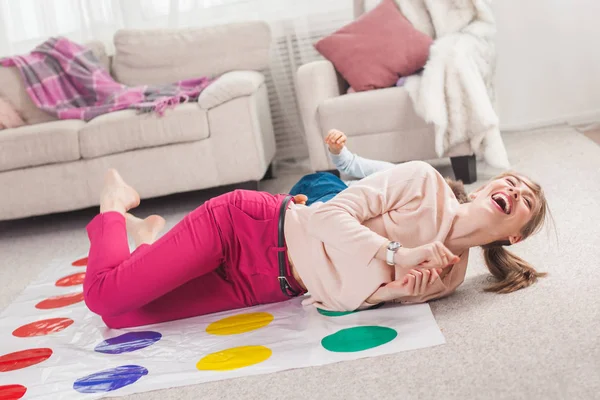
x=229 y=86
x=316 y=82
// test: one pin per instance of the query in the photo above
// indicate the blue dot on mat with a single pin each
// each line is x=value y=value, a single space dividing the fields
x=110 y=379
x=128 y=342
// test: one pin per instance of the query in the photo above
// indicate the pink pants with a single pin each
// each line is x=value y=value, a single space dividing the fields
x=221 y=256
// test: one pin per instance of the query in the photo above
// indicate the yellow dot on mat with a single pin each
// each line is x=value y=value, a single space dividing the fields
x=241 y=323
x=234 y=358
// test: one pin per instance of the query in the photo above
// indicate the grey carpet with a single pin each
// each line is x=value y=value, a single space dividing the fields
x=538 y=343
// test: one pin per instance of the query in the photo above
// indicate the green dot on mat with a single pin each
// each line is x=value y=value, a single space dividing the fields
x=358 y=338
x=328 y=313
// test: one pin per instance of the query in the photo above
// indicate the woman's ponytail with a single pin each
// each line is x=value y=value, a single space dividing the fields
x=512 y=272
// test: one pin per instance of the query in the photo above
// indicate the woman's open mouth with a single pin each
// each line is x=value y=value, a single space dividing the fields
x=503 y=202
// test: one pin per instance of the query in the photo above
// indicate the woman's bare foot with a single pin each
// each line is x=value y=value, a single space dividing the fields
x=117 y=195
x=144 y=231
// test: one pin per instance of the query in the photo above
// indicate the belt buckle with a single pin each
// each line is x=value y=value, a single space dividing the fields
x=286 y=287
x=284 y=280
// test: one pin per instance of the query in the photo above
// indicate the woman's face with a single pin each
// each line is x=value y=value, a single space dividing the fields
x=505 y=205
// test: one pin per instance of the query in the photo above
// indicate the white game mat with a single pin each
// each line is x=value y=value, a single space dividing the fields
x=53 y=347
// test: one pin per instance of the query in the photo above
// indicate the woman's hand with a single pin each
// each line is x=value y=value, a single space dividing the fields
x=432 y=255
x=416 y=282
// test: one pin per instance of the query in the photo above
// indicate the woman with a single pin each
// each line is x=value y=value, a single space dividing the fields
x=246 y=248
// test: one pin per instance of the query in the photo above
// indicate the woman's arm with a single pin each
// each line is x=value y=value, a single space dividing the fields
x=338 y=223
x=402 y=290
x=444 y=286
x=416 y=283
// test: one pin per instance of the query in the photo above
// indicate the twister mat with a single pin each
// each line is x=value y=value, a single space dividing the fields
x=53 y=347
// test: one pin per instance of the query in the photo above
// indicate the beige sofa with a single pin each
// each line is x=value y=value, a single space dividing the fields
x=225 y=138
x=380 y=124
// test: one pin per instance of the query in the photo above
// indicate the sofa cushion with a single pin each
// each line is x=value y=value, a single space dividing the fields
x=164 y=56
x=34 y=145
x=377 y=48
x=376 y=111
x=126 y=130
x=230 y=86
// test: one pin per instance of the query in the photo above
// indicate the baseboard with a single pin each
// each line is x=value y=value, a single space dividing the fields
x=589 y=117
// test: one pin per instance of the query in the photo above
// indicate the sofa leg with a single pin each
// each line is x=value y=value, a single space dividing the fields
x=465 y=168
x=333 y=171
x=248 y=185
x=269 y=174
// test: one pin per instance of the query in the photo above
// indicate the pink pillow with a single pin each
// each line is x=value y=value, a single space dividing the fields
x=9 y=118
x=376 y=49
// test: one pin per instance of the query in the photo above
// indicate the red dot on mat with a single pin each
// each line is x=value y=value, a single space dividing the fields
x=60 y=301
x=12 y=392
x=82 y=262
x=42 y=327
x=23 y=359
x=71 y=280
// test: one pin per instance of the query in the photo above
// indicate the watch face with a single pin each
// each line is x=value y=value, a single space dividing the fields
x=394 y=246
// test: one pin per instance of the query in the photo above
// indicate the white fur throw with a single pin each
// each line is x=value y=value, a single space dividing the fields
x=455 y=92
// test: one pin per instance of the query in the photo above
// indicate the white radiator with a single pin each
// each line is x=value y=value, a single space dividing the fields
x=293 y=46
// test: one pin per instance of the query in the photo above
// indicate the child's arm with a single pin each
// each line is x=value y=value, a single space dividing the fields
x=348 y=163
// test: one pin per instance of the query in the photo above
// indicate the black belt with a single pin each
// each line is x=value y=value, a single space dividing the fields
x=286 y=288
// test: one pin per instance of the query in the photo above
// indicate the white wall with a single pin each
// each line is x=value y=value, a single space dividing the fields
x=548 y=62
x=548 y=68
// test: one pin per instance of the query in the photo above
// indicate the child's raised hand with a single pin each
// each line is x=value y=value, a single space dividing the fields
x=335 y=140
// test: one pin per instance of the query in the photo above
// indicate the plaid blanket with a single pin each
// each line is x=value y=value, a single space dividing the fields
x=67 y=80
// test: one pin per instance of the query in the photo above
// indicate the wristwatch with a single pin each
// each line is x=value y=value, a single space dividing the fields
x=392 y=248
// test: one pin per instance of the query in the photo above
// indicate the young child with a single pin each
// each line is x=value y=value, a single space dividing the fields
x=323 y=186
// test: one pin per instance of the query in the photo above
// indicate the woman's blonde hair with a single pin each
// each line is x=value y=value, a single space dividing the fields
x=511 y=271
